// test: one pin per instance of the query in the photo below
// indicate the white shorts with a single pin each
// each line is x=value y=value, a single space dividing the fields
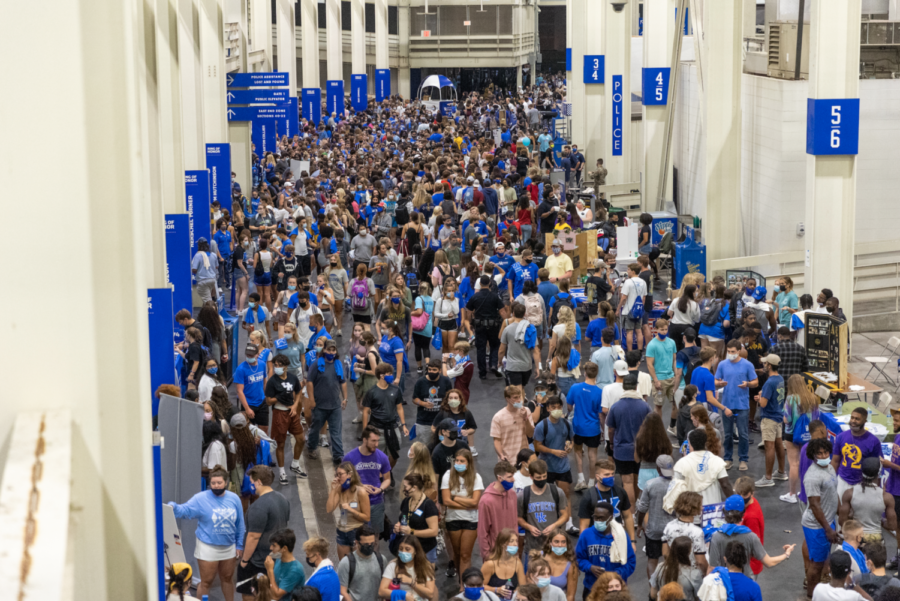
x=207 y=552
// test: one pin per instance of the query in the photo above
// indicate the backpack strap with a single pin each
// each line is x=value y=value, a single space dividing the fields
x=352 y=560
x=554 y=492
x=380 y=558
x=526 y=498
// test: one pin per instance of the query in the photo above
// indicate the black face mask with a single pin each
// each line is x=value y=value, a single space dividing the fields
x=305 y=288
x=434 y=376
x=367 y=549
x=539 y=484
x=218 y=491
x=453 y=434
x=311 y=563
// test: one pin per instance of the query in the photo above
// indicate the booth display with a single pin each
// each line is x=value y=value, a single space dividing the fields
x=438 y=94
x=827 y=339
x=690 y=257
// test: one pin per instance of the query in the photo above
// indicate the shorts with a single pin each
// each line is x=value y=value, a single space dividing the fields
x=346 y=538
x=554 y=477
x=518 y=378
x=448 y=325
x=592 y=442
x=626 y=468
x=283 y=423
x=362 y=318
x=458 y=525
x=379 y=286
x=245 y=578
x=817 y=544
x=260 y=415
x=263 y=280
x=771 y=429
x=666 y=391
x=654 y=548
x=376 y=517
x=206 y=552
x=504 y=295
x=632 y=324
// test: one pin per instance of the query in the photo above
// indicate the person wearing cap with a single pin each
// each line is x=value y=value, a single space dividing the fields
x=249 y=380
x=205 y=267
x=867 y=501
x=613 y=392
x=650 y=504
x=761 y=311
x=503 y=266
x=449 y=442
x=836 y=589
x=558 y=264
x=851 y=448
x=623 y=421
x=732 y=530
x=771 y=402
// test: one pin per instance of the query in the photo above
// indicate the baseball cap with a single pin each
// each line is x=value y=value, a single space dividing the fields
x=599 y=263
x=772 y=359
x=734 y=503
x=499 y=245
x=666 y=465
x=871 y=466
x=621 y=368
x=202 y=241
x=470 y=179
x=447 y=424
x=238 y=420
x=759 y=293
x=556 y=243
x=251 y=349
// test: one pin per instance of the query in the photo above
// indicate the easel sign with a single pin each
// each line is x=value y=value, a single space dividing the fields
x=171 y=537
x=826 y=345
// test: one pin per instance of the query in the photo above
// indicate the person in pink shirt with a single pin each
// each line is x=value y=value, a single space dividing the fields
x=497 y=508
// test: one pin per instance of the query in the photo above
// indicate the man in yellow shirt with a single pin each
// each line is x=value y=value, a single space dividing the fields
x=558 y=264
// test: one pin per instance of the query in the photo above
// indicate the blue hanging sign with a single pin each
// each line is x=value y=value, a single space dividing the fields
x=218 y=162
x=617 y=92
x=594 y=68
x=382 y=84
x=196 y=190
x=832 y=126
x=655 y=86
x=312 y=105
x=162 y=336
x=359 y=92
x=252 y=113
x=249 y=80
x=257 y=96
x=335 y=97
x=264 y=136
x=178 y=265
x=568 y=59
x=687 y=14
x=292 y=122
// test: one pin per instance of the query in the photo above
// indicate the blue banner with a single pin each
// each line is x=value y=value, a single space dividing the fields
x=257 y=96
x=218 y=162
x=264 y=136
x=568 y=59
x=832 y=126
x=162 y=337
x=655 y=86
x=594 y=68
x=335 y=97
x=196 y=191
x=617 y=92
x=249 y=80
x=160 y=538
x=178 y=265
x=292 y=122
x=359 y=92
x=312 y=105
x=382 y=84
x=687 y=16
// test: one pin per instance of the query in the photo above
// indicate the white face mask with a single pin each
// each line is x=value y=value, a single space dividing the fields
x=732 y=356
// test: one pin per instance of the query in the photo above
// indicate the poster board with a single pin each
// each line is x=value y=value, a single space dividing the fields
x=298 y=167
x=174 y=551
x=627 y=242
x=826 y=345
x=737 y=278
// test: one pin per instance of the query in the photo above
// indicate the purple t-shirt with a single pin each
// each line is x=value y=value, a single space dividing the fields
x=371 y=468
x=852 y=451
x=805 y=463
x=893 y=482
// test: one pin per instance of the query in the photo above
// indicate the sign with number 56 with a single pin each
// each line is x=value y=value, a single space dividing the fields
x=832 y=126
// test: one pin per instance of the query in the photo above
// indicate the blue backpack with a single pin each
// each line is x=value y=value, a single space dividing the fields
x=637 y=309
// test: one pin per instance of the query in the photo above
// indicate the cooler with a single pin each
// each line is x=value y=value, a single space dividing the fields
x=663 y=223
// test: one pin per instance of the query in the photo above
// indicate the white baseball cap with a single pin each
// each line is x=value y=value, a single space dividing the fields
x=621 y=368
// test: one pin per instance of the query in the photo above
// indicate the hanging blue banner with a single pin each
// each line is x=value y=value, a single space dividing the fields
x=687 y=15
x=162 y=336
x=382 y=84
x=568 y=59
x=617 y=92
x=832 y=126
x=312 y=105
x=178 y=265
x=359 y=92
x=335 y=97
x=196 y=191
x=264 y=136
x=655 y=82
x=292 y=122
x=218 y=162
x=257 y=96
x=594 y=68
x=249 y=80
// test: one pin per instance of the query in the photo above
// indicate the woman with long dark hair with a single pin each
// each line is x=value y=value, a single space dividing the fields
x=410 y=572
x=213 y=448
x=211 y=320
x=677 y=568
x=651 y=442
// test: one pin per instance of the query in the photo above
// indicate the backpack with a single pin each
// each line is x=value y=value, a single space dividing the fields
x=710 y=315
x=359 y=294
x=468 y=195
x=693 y=363
x=554 y=492
x=559 y=303
x=801 y=434
x=402 y=213
x=412 y=280
x=534 y=310
x=352 y=559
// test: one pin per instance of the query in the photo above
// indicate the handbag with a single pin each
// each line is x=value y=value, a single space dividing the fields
x=420 y=322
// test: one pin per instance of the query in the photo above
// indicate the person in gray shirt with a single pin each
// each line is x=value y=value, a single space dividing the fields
x=734 y=531
x=818 y=521
x=326 y=388
x=542 y=507
x=362 y=581
x=520 y=360
x=363 y=246
x=651 y=504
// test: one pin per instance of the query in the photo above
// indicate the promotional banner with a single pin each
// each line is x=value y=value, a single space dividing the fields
x=359 y=92
x=264 y=136
x=196 y=190
x=218 y=163
x=249 y=80
x=312 y=105
x=161 y=319
x=335 y=97
x=292 y=122
x=178 y=265
x=617 y=116
x=382 y=84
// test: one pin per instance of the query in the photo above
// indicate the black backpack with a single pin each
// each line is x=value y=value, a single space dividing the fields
x=351 y=558
x=554 y=492
x=402 y=213
x=693 y=362
x=558 y=303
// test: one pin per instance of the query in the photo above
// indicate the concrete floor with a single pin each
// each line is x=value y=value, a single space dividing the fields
x=784 y=582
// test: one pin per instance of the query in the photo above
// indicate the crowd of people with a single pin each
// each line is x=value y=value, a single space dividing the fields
x=428 y=237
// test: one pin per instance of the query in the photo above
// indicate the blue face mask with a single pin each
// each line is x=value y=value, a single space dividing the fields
x=823 y=462
x=473 y=593
x=329 y=356
x=251 y=361
x=440 y=436
x=279 y=371
x=560 y=550
x=404 y=556
x=252 y=305
x=600 y=526
x=543 y=582
x=608 y=481
x=292 y=288
x=506 y=485
x=389 y=379
x=345 y=484
x=512 y=549
x=662 y=336
x=312 y=329
x=212 y=370
x=459 y=467
x=396 y=301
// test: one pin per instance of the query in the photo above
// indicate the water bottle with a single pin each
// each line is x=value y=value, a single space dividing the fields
x=869 y=418
x=840 y=406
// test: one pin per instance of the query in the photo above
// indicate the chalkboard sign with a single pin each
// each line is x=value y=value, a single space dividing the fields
x=826 y=345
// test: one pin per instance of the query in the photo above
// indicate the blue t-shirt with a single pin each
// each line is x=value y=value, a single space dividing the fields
x=554 y=436
x=388 y=350
x=294 y=301
x=505 y=262
x=735 y=373
x=683 y=359
x=626 y=416
x=662 y=352
x=521 y=274
x=547 y=290
x=436 y=137
x=223 y=241
x=744 y=588
x=253 y=378
x=595 y=331
x=703 y=379
x=288 y=576
x=773 y=392
x=544 y=140
x=586 y=399
x=717 y=330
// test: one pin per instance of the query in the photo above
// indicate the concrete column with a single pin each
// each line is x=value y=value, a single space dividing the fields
x=519 y=76
x=333 y=40
x=309 y=32
x=89 y=50
x=191 y=83
x=616 y=123
x=245 y=35
x=212 y=54
x=721 y=106
x=168 y=79
x=381 y=35
x=593 y=112
x=357 y=37
x=287 y=41
x=261 y=29
x=575 y=40
x=831 y=179
x=659 y=33
x=403 y=75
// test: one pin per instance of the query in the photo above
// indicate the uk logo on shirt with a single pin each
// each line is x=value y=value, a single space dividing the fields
x=224 y=518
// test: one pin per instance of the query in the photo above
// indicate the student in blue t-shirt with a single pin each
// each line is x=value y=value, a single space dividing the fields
x=738 y=376
x=249 y=380
x=285 y=573
x=743 y=588
x=584 y=399
x=324 y=578
x=702 y=378
x=771 y=402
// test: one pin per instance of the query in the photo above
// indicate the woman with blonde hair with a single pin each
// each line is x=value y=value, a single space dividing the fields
x=504 y=567
x=420 y=463
x=349 y=495
x=565 y=326
x=799 y=402
x=461 y=489
x=565 y=364
x=420 y=198
x=442 y=270
x=446 y=310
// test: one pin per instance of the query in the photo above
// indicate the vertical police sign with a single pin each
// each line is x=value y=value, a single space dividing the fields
x=334 y=95
x=832 y=126
x=178 y=265
x=162 y=333
x=312 y=105
x=617 y=115
x=382 y=84
x=196 y=188
x=359 y=92
x=218 y=162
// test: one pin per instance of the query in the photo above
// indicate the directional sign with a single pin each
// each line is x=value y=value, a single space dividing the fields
x=568 y=59
x=655 y=86
x=359 y=92
x=617 y=91
x=249 y=80
x=832 y=126
x=264 y=136
x=334 y=97
x=218 y=161
x=257 y=96
x=594 y=68
x=312 y=105
x=382 y=84
x=285 y=113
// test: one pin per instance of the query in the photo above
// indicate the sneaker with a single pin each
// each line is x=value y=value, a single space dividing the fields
x=581 y=485
x=451 y=571
x=339 y=334
x=892 y=564
x=497 y=373
x=336 y=461
x=761 y=445
x=283 y=479
x=474 y=452
x=573 y=531
x=728 y=465
x=763 y=482
x=313 y=454
x=419 y=371
x=324 y=444
x=743 y=467
x=788 y=498
x=672 y=431
x=357 y=420
x=779 y=476
x=590 y=483
x=297 y=469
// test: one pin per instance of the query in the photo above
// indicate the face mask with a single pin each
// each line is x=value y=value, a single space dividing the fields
x=782 y=288
x=541 y=394
x=539 y=484
x=512 y=549
x=275 y=556
x=560 y=550
x=207 y=416
x=528 y=261
x=473 y=592
x=662 y=336
x=543 y=582
x=823 y=462
x=252 y=305
x=556 y=251
x=310 y=562
x=279 y=371
x=600 y=526
x=218 y=491
x=608 y=481
x=460 y=467
x=517 y=405
x=212 y=370
x=288 y=255
x=396 y=301
x=506 y=485
x=732 y=357
x=246 y=244
x=334 y=263
x=389 y=379
x=329 y=356
x=251 y=361
x=453 y=403
x=556 y=413
x=367 y=549
x=405 y=557
x=345 y=484
x=292 y=288
x=453 y=435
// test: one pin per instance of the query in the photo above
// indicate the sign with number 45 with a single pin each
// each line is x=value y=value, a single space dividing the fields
x=655 y=86
x=832 y=126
